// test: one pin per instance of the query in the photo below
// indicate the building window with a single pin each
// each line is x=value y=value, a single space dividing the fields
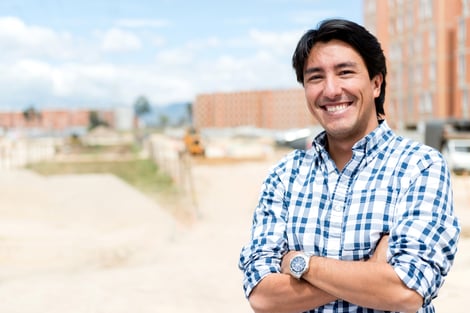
x=370 y=6
x=417 y=45
x=399 y=24
x=425 y=103
x=418 y=73
x=399 y=77
x=461 y=70
x=432 y=40
x=411 y=75
x=432 y=72
x=461 y=32
x=391 y=27
x=410 y=115
x=409 y=19
x=466 y=8
x=465 y=105
x=393 y=53
x=425 y=9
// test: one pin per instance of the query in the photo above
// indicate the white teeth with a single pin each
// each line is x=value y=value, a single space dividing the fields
x=336 y=108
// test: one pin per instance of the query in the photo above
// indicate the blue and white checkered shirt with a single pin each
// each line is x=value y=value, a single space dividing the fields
x=391 y=185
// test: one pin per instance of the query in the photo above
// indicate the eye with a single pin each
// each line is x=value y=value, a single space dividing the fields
x=346 y=72
x=315 y=77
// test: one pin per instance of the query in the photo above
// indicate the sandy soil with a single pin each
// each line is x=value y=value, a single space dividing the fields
x=91 y=243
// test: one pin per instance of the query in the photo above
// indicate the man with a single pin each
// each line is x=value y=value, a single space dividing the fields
x=363 y=221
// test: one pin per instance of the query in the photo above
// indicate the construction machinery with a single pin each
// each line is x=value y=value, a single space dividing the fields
x=193 y=143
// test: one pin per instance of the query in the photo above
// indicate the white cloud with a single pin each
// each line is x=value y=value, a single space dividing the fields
x=310 y=19
x=117 y=40
x=279 y=42
x=266 y=65
x=174 y=58
x=72 y=80
x=30 y=69
x=24 y=82
x=19 y=39
x=211 y=42
x=160 y=87
x=158 y=41
x=262 y=70
x=142 y=23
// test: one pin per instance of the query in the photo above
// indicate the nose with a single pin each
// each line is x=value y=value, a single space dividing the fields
x=332 y=87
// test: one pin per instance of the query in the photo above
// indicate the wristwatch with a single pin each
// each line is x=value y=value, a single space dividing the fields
x=299 y=265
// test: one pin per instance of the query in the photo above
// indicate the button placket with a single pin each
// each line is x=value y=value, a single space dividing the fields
x=336 y=220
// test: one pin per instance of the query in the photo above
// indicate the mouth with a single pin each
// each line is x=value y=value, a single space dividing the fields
x=337 y=107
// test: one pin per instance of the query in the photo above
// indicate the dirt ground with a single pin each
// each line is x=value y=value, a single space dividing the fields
x=91 y=243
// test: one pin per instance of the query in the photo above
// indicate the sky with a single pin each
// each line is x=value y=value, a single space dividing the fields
x=102 y=54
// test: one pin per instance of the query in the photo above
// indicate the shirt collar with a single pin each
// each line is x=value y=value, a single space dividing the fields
x=369 y=145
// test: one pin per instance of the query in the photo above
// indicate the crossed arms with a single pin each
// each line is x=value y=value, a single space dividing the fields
x=367 y=284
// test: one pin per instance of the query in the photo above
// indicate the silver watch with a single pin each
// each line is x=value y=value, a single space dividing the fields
x=299 y=265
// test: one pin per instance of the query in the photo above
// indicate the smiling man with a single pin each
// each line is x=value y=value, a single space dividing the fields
x=363 y=221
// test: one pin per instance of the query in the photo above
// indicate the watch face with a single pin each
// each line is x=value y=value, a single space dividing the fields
x=298 y=264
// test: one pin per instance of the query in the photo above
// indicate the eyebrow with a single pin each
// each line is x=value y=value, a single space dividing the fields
x=338 y=66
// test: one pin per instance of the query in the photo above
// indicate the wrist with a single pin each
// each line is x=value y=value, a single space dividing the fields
x=299 y=265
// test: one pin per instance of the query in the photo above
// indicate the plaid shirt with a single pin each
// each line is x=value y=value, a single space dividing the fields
x=391 y=185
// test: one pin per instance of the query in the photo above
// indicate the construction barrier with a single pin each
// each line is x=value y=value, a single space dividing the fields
x=16 y=153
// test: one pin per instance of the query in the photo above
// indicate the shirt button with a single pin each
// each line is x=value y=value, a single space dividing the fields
x=337 y=208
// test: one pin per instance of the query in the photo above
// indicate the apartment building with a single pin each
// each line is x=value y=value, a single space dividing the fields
x=427 y=45
x=270 y=109
x=52 y=120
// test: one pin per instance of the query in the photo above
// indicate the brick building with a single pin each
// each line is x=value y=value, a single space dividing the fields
x=52 y=120
x=427 y=45
x=270 y=109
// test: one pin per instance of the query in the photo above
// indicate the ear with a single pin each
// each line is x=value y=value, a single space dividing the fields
x=376 y=84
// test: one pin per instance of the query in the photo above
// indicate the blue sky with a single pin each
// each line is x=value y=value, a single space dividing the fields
x=92 y=54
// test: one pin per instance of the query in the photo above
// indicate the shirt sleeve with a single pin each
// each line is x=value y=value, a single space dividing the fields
x=268 y=243
x=423 y=241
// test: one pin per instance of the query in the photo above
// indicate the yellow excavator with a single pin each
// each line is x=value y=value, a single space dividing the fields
x=192 y=141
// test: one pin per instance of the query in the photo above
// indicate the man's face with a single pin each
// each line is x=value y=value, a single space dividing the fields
x=339 y=92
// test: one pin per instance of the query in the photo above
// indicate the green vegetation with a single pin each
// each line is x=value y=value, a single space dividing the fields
x=142 y=174
x=95 y=120
x=77 y=148
x=142 y=106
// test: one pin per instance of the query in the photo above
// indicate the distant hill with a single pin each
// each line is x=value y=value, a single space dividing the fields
x=175 y=113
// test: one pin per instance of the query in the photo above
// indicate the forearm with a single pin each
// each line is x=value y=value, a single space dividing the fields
x=281 y=293
x=367 y=284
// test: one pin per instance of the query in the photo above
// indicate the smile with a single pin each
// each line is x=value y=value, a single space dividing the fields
x=335 y=108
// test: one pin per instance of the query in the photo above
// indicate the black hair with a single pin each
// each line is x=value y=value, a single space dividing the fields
x=359 y=38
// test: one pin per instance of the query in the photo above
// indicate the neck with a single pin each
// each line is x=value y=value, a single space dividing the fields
x=340 y=147
x=340 y=152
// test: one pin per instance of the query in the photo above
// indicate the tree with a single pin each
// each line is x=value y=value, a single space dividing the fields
x=30 y=114
x=163 y=120
x=95 y=120
x=141 y=106
x=189 y=112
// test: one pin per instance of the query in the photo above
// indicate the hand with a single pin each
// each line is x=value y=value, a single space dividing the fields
x=285 y=262
x=380 y=253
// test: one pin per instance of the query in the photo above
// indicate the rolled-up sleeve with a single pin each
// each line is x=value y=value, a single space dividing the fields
x=423 y=241
x=263 y=254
